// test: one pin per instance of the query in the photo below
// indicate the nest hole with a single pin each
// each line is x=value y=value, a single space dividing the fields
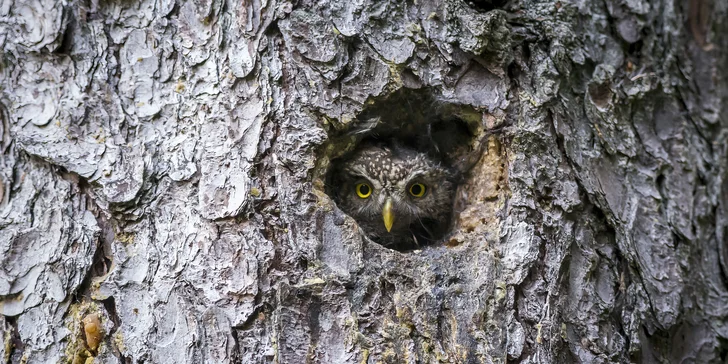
x=486 y=5
x=404 y=128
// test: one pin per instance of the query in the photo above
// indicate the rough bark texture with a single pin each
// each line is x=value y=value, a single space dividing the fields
x=162 y=167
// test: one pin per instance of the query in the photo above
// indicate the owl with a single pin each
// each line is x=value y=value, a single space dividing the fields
x=401 y=199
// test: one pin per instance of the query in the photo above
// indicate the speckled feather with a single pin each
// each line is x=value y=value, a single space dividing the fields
x=390 y=171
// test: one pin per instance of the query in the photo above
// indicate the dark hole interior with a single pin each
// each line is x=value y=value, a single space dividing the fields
x=486 y=5
x=410 y=124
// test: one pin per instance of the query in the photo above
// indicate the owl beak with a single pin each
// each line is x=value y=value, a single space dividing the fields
x=388 y=214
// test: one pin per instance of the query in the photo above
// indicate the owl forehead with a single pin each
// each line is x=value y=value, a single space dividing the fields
x=383 y=166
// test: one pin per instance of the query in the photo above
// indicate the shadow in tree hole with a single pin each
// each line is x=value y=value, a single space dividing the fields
x=419 y=120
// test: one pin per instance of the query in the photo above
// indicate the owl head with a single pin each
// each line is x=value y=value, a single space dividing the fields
x=401 y=198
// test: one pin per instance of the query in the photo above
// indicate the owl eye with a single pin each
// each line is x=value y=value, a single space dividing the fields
x=417 y=189
x=363 y=190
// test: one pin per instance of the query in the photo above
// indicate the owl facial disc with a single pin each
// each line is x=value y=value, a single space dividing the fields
x=409 y=191
x=388 y=214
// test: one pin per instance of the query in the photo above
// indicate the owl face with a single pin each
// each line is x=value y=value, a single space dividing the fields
x=397 y=195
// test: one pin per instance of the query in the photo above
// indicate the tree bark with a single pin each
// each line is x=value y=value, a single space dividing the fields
x=163 y=181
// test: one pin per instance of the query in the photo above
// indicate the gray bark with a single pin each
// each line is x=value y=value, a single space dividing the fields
x=163 y=166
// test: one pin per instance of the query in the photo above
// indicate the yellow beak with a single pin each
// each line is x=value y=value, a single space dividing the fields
x=388 y=214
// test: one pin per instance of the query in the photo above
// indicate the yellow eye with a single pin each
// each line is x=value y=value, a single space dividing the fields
x=363 y=190
x=417 y=189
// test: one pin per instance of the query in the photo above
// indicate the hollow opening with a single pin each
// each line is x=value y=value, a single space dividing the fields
x=396 y=169
x=486 y=5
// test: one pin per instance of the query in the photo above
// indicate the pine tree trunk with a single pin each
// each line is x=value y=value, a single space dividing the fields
x=163 y=191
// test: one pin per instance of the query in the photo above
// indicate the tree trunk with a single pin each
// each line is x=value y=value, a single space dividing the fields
x=163 y=194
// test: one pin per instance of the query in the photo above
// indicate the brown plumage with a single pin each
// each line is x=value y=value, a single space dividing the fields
x=400 y=198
